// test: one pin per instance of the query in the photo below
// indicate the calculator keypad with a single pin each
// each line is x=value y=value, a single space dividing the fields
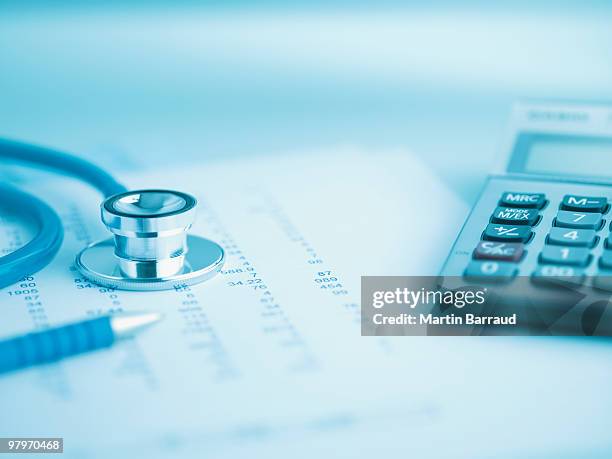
x=566 y=250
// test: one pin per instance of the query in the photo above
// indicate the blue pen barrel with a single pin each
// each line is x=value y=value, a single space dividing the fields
x=54 y=344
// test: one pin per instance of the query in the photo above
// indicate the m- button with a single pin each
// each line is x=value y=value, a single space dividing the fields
x=584 y=203
x=531 y=200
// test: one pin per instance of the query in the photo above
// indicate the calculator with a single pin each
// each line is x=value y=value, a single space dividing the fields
x=548 y=214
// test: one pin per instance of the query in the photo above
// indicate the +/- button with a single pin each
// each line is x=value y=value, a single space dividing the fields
x=515 y=216
x=531 y=200
x=584 y=203
x=507 y=233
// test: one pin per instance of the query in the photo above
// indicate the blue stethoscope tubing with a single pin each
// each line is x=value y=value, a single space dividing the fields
x=38 y=252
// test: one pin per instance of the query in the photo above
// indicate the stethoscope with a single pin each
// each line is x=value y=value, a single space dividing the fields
x=150 y=248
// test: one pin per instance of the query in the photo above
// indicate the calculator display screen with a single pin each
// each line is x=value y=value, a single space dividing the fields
x=572 y=156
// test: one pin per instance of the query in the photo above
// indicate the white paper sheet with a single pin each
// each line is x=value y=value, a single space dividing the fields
x=262 y=358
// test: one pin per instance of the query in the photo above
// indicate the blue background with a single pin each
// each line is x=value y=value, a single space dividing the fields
x=114 y=80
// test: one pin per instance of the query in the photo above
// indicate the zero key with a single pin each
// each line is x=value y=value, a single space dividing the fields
x=496 y=271
x=584 y=203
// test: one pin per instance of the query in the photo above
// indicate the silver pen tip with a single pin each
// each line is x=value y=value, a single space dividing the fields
x=129 y=323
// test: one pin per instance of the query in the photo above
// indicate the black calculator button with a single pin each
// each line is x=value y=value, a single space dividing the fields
x=605 y=261
x=515 y=216
x=505 y=251
x=506 y=233
x=561 y=273
x=584 y=203
x=494 y=270
x=531 y=200
x=557 y=255
x=581 y=220
x=573 y=237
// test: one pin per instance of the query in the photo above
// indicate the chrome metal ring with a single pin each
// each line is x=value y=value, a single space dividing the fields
x=150 y=249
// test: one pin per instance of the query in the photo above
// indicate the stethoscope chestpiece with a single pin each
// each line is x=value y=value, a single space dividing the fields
x=150 y=248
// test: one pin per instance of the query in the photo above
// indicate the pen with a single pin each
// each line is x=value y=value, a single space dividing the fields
x=76 y=338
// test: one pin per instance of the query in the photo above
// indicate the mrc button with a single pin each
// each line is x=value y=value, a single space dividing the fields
x=584 y=203
x=516 y=216
x=531 y=200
